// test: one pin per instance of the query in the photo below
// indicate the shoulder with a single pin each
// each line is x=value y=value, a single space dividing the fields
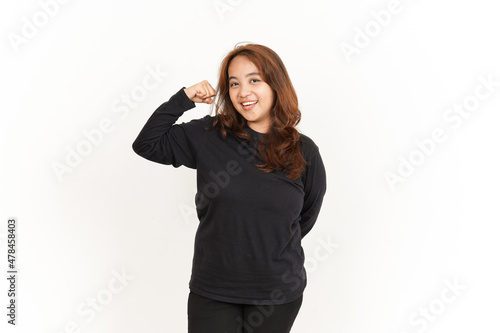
x=309 y=147
x=197 y=130
x=200 y=123
x=314 y=162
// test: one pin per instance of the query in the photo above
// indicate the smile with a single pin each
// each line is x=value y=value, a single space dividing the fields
x=247 y=106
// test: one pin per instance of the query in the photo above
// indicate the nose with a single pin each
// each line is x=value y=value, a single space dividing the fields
x=244 y=90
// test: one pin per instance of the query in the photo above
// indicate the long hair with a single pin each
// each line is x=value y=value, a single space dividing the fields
x=280 y=146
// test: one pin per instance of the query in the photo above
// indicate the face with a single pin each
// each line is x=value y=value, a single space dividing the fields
x=251 y=96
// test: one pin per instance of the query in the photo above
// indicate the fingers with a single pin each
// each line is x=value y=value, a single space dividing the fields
x=201 y=92
x=204 y=89
x=204 y=92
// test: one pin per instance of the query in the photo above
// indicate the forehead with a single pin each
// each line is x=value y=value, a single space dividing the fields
x=241 y=65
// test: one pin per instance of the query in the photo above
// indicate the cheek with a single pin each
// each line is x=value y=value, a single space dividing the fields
x=232 y=98
x=270 y=96
x=268 y=93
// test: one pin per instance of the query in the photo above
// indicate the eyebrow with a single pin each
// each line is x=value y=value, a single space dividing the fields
x=249 y=74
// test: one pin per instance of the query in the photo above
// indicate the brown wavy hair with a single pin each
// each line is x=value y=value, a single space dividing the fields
x=281 y=145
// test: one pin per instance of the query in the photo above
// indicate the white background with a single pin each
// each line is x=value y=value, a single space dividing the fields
x=395 y=247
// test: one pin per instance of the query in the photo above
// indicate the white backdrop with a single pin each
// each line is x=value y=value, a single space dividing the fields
x=402 y=98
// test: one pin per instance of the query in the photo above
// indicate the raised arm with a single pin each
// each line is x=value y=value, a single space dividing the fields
x=163 y=141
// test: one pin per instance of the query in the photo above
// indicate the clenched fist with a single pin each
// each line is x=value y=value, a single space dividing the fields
x=201 y=92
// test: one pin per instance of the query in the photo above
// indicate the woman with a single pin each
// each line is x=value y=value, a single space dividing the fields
x=260 y=187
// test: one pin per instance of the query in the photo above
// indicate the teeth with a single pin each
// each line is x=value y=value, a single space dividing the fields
x=249 y=103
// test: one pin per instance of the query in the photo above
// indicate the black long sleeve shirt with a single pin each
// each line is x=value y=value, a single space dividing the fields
x=247 y=246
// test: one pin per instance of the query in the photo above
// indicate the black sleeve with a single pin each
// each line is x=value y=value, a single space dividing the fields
x=314 y=179
x=164 y=142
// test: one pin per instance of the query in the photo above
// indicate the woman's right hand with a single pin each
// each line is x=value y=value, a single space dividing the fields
x=201 y=92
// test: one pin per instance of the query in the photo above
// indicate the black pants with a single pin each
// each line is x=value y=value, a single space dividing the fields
x=206 y=315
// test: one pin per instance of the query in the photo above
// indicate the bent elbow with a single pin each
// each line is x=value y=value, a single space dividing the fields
x=142 y=149
x=136 y=147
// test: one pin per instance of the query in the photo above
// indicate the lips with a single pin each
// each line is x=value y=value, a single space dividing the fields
x=249 y=106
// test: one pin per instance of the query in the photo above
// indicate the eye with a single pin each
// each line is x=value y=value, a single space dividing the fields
x=255 y=80
x=232 y=84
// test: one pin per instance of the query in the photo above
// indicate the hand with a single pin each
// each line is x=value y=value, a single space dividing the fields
x=201 y=92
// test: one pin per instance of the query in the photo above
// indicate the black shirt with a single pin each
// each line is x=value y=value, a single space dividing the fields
x=247 y=247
